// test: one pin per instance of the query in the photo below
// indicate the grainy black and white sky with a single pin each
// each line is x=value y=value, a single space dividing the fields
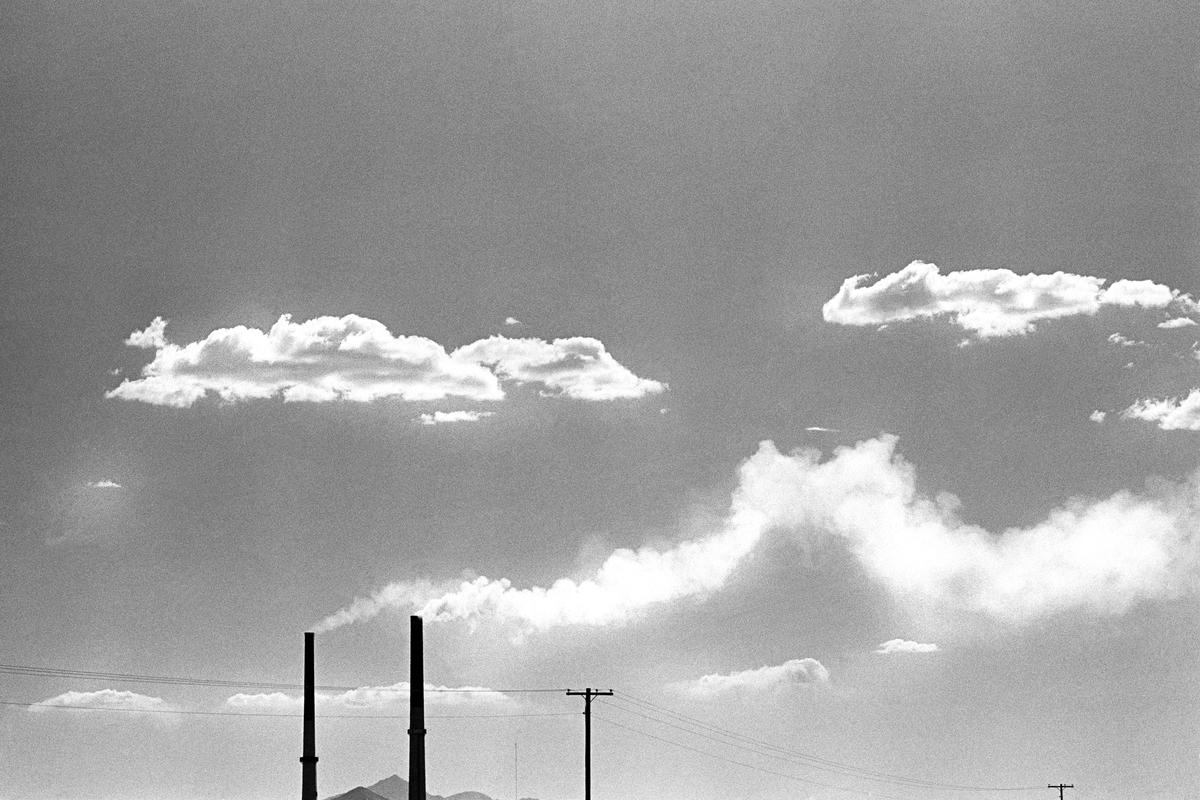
x=822 y=371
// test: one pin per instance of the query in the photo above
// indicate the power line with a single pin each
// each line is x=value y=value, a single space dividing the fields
x=125 y=677
x=817 y=762
x=271 y=713
x=765 y=751
x=710 y=754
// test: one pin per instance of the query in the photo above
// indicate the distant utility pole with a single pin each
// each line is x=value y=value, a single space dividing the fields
x=1060 y=787
x=588 y=696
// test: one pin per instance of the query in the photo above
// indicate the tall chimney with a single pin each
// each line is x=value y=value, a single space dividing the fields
x=308 y=761
x=416 y=715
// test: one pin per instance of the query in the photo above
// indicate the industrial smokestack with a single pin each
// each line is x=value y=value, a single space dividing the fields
x=308 y=761
x=416 y=715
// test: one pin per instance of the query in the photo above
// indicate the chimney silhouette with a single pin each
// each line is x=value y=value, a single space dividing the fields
x=308 y=761
x=416 y=715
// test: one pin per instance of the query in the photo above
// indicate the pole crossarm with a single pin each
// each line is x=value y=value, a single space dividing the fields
x=1060 y=787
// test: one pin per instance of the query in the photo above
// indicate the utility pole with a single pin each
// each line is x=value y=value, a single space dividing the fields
x=1060 y=788
x=589 y=694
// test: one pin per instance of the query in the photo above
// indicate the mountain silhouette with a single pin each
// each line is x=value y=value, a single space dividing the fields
x=358 y=793
x=396 y=788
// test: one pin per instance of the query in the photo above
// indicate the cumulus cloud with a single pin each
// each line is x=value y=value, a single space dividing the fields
x=1102 y=555
x=107 y=699
x=578 y=367
x=153 y=337
x=1098 y=416
x=353 y=358
x=989 y=302
x=1177 y=322
x=819 y=429
x=327 y=358
x=1169 y=413
x=797 y=672
x=1098 y=554
x=365 y=698
x=905 y=646
x=512 y=321
x=104 y=484
x=440 y=417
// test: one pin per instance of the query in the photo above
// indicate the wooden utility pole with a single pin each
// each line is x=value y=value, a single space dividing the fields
x=1060 y=787
x=588 y=695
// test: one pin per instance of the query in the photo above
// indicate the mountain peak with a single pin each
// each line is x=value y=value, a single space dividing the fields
x=359 y=793
x=392 y=787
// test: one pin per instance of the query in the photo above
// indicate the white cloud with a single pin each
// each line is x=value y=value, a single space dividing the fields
x=439 y=417
x=797 y=672
x=1102 y=555
x=819 y=429
x=578 y=367
x=1169 y=413
x=104 y=484
x=988 y=302
x=152 y=338
x=1140 y=294
x=905 y=646
x=1125 y=341
x=1098 y=416
x=353 y=358
x=626 y=584
x=108 y=699
x=1177 y=322
x=512 y=321
x=365 y=698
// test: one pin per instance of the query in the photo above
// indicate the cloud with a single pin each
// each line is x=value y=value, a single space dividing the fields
x=1102 y=555
x=1098 y=416
x=989 y=302
x=1125 y=341
x=152 y=338
x=365 y=698
x=797 y=672
x=356 y=359
x=439 y=417
x=819 y=429
x=905 y=646
x=512 y=321
x=1169 y=413
x=628 y=583
x=104 y=484
x=578 y=367
x=108 y=699
x=1177 y=322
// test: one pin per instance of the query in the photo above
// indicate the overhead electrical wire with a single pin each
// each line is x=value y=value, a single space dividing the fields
x=275 y=714
x=125 y=677
x=772 y=750
x=623 y=702
x=768 y=771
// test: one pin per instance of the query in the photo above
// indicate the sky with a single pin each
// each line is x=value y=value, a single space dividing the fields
x=825 y=374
